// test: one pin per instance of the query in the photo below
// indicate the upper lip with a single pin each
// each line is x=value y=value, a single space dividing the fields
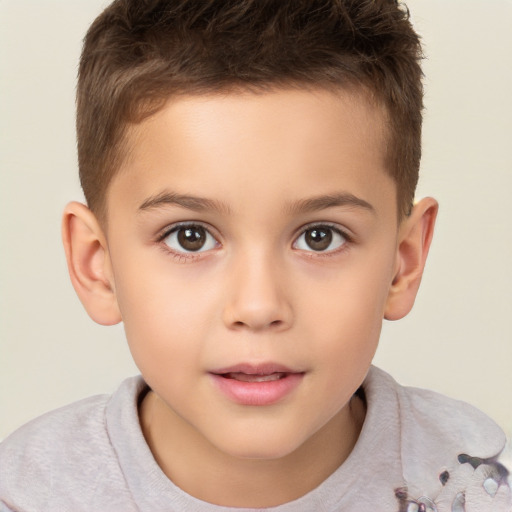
x=255 y=369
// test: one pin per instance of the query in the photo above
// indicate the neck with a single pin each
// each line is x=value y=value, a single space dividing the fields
x=208 y=474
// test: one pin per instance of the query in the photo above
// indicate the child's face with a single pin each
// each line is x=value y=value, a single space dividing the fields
x=255 y=234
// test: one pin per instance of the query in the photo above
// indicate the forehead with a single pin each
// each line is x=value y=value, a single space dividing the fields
x=238 y=141
x=290 y=106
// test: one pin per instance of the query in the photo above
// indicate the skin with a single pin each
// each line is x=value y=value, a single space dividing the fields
x=269 y=166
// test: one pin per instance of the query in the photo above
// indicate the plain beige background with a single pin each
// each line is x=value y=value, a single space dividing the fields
x=458 y=340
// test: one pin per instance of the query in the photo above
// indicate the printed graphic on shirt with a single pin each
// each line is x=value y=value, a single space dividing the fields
x=476 y=485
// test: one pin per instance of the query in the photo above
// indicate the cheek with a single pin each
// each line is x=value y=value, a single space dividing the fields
x=345 y=314
x=164 y=316
x=346 y=335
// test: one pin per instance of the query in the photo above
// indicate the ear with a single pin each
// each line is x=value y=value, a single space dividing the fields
x=414 y=239
x=89 y=263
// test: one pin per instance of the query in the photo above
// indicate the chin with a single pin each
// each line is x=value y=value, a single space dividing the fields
x=262 y=448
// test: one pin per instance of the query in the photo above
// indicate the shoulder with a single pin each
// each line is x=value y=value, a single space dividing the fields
x=433 y=417
x=55 y=433
x=441 y=438
x=65 y=451
x=448 y=423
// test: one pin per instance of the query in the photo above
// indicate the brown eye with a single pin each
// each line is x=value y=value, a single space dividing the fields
x=320 y=239
x=190 y=238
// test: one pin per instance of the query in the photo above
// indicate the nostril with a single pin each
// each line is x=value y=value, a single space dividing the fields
x=274 y=324
x=257 y=315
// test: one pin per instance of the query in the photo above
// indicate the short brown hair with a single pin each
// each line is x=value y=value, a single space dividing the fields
x=138 y=53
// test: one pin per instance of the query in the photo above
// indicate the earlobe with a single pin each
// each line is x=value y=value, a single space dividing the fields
x=89 y=263
x=414 y=241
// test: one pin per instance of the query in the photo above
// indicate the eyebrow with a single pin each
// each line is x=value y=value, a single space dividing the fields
x=185 y=201
x=309 y=205
x=329 y=201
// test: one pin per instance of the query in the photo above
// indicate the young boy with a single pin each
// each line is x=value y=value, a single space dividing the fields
x=249 y=169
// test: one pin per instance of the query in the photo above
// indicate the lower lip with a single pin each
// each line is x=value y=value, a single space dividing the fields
x=258 y=393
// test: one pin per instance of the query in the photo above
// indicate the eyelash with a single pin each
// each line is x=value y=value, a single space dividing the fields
x=348 y=240
x=185 y=257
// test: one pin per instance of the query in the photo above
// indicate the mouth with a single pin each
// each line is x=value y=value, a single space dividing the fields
x=257 y=385
x=252 y=377
x=246 y=372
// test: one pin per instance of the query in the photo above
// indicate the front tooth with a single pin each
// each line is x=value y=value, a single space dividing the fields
x=245 y=377
x=267 y=378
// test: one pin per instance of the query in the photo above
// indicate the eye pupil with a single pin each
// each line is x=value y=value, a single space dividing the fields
x=192 y=238
x=318 y=239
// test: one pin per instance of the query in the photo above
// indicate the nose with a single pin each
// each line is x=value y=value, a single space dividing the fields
x=258 y=298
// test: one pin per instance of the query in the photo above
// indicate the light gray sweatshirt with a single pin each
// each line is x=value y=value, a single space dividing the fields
x=417 y=449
